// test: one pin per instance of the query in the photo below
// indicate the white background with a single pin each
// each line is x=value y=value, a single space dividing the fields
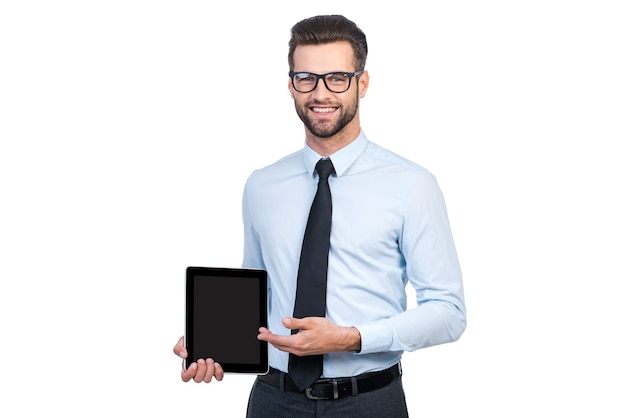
x=128 y=129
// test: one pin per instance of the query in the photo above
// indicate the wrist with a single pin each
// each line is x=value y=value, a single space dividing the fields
x=353 y=341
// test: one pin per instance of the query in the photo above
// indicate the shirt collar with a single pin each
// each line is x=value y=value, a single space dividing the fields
x=341 y=159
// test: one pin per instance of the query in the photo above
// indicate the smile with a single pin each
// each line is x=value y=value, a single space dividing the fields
x=323 y=109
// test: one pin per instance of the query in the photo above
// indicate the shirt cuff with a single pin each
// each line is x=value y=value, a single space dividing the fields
x=376 y=337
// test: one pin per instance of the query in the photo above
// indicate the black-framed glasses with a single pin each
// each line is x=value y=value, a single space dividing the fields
x=337 y=81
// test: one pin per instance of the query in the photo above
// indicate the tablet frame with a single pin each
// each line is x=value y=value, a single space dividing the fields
x=193 y=274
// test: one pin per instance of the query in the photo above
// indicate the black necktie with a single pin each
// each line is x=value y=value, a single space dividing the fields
x=311 y=287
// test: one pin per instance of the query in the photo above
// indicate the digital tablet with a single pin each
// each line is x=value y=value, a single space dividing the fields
x=224 y=309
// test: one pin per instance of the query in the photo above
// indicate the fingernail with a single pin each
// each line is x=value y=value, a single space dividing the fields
x=180 y=354
x=193 y=366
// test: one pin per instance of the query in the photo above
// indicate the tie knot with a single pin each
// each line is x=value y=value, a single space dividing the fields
x=324 y=168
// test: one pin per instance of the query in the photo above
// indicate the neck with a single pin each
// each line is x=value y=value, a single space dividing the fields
x=330 y=145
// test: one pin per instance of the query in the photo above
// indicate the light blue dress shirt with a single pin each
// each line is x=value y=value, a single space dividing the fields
x=390 y=227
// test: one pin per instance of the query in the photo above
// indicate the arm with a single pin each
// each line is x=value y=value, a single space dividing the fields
x=432 y=268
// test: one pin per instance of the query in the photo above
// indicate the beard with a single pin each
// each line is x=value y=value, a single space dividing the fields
x=327 y=128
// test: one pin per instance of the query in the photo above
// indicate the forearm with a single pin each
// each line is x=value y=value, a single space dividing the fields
x=350 y=339
x=430 y=324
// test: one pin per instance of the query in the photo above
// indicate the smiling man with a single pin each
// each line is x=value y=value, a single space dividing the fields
x=385 y=226
x=330 y=119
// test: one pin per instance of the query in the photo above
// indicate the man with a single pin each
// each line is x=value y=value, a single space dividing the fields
x=389 y=227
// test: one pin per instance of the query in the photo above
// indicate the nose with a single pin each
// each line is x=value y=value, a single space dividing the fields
x=320 y=89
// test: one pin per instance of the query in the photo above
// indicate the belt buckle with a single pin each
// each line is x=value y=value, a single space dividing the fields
x=310 y=395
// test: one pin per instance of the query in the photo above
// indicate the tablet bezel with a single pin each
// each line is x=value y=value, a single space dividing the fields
x=217 y=273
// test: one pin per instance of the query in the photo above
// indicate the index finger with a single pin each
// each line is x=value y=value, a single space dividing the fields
x=190 y=373
x=282 y=342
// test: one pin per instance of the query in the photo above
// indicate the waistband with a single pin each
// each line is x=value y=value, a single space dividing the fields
x=335 y=388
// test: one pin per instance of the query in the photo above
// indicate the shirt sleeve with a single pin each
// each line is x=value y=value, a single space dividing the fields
x=432 y=268
x=252 y=254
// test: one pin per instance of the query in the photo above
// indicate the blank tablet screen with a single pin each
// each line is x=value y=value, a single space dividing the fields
x=224 y=309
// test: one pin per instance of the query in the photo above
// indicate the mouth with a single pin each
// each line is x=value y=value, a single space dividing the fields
x=322 y=110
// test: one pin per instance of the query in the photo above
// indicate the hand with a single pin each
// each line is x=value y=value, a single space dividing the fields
x=200 y=371
x=316 y=336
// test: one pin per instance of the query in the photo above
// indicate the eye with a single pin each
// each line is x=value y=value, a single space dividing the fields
x=304 y=77
x=337 y=78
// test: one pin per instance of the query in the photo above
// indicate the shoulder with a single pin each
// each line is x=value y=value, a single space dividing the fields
x=375 y=154
x=291 y=164
x=396 y=173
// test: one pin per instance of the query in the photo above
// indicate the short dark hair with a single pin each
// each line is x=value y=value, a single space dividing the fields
x=326 y=29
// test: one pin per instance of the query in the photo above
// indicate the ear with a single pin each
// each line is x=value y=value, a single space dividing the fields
x=364 y=82
x=290 y=87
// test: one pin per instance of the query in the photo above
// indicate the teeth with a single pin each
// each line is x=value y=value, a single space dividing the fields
x=323 y=109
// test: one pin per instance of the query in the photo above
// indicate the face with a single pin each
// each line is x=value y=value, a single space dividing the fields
x=324 y=113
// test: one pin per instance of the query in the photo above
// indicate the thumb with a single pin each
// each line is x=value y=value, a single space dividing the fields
x=293 y=323
x=179 y=348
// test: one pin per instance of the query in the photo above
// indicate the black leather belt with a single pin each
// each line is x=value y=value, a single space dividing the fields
x=335 y=388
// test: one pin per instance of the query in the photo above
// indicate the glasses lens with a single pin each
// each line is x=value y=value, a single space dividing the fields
x=304 y=82
x=338 y=82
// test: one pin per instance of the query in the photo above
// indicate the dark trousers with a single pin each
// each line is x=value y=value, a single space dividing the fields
x=267 y=401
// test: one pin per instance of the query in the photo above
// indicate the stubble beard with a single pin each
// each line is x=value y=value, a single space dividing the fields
x=327 y=129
